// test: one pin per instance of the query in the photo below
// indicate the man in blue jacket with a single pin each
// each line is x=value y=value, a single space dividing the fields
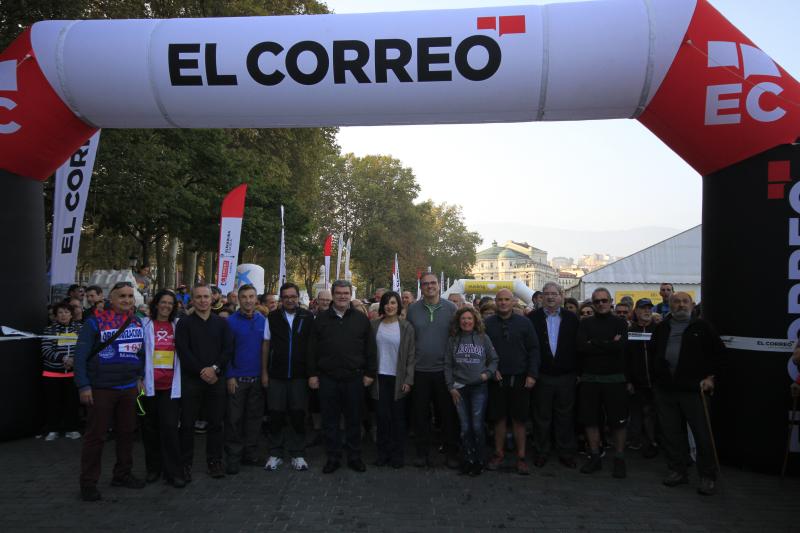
x=245 y=397
x=109 y=367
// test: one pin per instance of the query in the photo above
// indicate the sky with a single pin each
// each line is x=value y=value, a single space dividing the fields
x=590 y=176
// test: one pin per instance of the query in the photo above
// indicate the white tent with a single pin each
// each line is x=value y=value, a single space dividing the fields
x=675 y=260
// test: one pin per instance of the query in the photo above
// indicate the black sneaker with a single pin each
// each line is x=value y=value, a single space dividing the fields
x=594 y=464
x=215 y=470
x=475 y=469
x=650 y=451
x=708 y=487
x=422 y=461
x=331 y=466
x=187 y=473
x=152 y=477
x=620 y=469
x=129 y=482
x=676 y=478
x=232 y=468
x=357 y=465
x=90 y=494
x=178 y=482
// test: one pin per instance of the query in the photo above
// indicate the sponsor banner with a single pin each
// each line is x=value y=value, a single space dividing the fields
x=653 y=296
x=230 y=232
x=486 y=287
x=757 y=344
x=396 y=276
x=72 y=182
x=282 y=258
x=327 y=252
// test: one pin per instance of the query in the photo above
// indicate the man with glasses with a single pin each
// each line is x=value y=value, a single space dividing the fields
x=284 y=353
x=554 y=395
x=109 y=368
x=517 y=347
x=205 y=344
x=243 y=378
x=431 y=319
x=601 y=343
x=342 y=360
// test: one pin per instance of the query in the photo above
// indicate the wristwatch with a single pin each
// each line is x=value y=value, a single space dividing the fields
x=216 y=369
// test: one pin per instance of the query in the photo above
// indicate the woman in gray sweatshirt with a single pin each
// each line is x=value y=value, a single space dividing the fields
x=469 y=362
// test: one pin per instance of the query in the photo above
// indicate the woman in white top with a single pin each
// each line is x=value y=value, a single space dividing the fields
x=396 y=360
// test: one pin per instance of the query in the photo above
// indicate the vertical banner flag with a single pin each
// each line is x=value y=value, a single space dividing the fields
x=282 y=261
x=441 y=283
x=396 y=276
x=327 y=251
x=230 y=232
x=72 y=189
x=339 y=247
x=347 y=274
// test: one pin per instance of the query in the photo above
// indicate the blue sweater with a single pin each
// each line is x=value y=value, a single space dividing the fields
x=248 y=334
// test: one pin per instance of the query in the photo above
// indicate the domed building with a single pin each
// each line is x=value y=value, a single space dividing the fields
x=514 y=260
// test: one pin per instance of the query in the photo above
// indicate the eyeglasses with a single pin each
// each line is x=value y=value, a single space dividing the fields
x=601 y=301
x=587 y=313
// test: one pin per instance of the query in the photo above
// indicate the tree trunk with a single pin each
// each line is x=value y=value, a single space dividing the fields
x=145 y=242
x=209 y=269
x=189 y=267
x=169 y=268
x=161 y=261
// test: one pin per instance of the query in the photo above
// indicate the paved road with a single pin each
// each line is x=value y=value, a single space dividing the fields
x=39 y=491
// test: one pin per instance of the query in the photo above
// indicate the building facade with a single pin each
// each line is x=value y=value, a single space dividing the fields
x=514 y=260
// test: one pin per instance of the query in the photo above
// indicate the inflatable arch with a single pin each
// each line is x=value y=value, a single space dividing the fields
x=471 y=286
x=677 y=66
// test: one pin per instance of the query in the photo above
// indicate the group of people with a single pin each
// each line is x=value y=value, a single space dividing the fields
x=460 y=367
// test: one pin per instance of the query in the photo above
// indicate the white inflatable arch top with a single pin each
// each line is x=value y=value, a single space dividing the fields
x=572 y=61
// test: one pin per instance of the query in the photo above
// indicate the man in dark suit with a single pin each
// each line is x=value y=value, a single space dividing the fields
x=554 y=394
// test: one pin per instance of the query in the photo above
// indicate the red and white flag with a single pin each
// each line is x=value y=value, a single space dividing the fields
x=282 y=260
x=396 y=276
x=230 y=232
x=327 y=251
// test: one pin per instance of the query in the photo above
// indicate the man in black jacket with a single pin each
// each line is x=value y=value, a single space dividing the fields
x=342 y=361
x=688 y=354
x=205 y=344
x=601 y=343
x=554 y=395
x=283 y=371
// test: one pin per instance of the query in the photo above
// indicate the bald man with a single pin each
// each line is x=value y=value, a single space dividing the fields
x=688 y=354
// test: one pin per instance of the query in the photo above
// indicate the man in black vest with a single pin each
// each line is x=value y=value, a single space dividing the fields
x=283 y=372
x=554 y=394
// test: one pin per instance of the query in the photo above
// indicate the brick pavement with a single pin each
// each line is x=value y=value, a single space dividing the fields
x=38 y=491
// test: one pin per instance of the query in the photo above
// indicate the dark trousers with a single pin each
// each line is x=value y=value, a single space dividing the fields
x=553 y=415
x=243 y=421
x=390 y=415
x=337 y=398
x=642 y=425
x=193 y=391
x=287 y=399
x=675 y=409
x=108 y=403
x=162 y=450
x=61 y=401
x=472 y=416
x=430 y=387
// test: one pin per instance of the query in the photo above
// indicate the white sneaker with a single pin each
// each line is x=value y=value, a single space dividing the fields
x=273 y=463
x=51 y=436
x=73 y=435
x=298 y=463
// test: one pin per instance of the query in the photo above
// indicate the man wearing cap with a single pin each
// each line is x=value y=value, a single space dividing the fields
x=638 y=363
x=688 y=354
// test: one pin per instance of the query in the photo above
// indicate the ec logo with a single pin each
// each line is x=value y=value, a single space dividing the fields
x=8 y=82
x=754 y=63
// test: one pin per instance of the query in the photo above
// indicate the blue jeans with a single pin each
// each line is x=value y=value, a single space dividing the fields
x=472 y=413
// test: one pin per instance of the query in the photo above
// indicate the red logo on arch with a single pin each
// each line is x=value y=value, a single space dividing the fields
x=508 y=24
